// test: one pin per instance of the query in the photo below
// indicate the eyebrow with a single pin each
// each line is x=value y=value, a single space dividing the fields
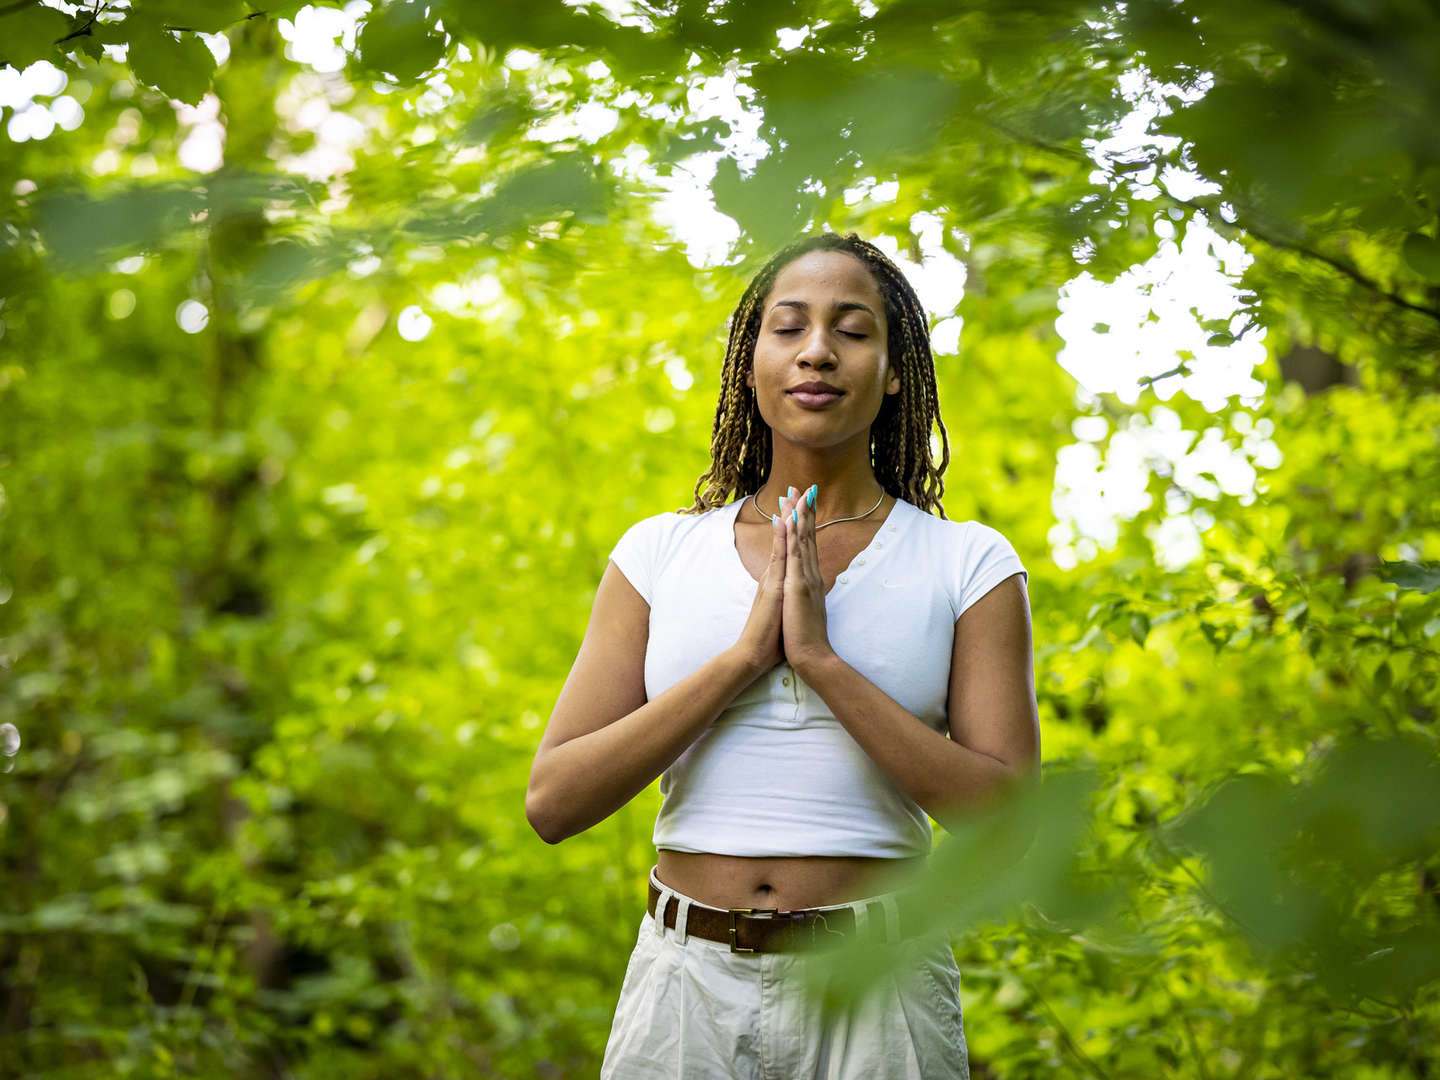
x=844 y=305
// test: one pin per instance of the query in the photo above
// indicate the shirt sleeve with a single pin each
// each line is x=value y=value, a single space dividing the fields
x=990 y=559
x=635 y=553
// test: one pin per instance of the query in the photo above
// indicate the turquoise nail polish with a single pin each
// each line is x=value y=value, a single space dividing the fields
x=775 y=519
x=795 y=516
x=810 y=496
x=790 y=493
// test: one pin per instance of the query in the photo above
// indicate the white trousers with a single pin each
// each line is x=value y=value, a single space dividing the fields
x=692 y=1009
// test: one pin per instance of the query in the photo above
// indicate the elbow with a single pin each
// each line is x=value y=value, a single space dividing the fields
x=542 y=817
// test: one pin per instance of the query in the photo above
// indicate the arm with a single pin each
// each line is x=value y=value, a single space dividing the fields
x=994 y=728
x=604 y=742
x=994 y=721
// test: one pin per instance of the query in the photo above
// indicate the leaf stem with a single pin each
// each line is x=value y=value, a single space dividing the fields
x=1064 y=1032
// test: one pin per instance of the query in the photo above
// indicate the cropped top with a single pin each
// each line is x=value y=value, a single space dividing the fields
x=776 y=774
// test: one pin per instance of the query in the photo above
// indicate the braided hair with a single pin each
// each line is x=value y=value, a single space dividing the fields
x=900 y=435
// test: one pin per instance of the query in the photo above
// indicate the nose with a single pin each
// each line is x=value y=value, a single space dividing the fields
x=816 y=350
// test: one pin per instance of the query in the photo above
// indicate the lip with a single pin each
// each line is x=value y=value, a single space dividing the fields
x=815 y=395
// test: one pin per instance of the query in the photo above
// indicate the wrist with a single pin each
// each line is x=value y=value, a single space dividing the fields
x=745 y=665
x=812 y=664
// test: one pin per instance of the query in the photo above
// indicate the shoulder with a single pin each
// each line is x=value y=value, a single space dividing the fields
x=950 y=536
x=671 y=526
x=648 y=547
x=969 y=557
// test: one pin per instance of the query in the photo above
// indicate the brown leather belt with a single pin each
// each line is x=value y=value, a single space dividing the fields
x=767 y=930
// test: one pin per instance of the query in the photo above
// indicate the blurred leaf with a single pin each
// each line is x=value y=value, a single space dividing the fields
x=1423 y=254
x=503 y=119
x=1421 y=577
x=1019 y=852
x=79 y=229
x=1139 y=628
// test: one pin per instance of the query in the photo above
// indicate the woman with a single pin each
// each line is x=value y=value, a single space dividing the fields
x=814 y=667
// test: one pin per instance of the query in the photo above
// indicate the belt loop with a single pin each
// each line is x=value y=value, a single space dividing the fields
x=862 y=919
x=892 y=918
x=682 y=919
x=660 y=905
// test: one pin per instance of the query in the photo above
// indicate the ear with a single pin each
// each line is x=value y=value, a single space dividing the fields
x=892 y=384
x=750 y=379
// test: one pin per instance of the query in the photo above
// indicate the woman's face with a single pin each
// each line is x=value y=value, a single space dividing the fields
x=821 y=369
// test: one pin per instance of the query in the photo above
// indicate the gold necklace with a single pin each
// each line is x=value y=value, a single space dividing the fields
x=832 y=521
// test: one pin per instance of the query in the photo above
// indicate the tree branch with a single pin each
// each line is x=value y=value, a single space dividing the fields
x=1264 y=235
x=1339 y=265
x=85 y=30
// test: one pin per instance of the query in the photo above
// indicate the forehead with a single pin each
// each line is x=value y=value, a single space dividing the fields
x=823 y=278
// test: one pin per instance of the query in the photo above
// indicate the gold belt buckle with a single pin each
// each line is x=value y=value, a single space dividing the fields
x=734 y=935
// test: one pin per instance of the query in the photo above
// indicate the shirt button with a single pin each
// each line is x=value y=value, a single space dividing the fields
x=785 y=681
x=879 y=543
x=892 y=528
x=842 y=579
x=859 y=562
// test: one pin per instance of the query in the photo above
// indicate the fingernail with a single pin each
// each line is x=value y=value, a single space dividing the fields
x=775 y=519
x=795 y=515
x=790 y=493
x=810 y=497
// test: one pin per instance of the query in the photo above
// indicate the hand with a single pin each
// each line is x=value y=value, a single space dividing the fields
x=804 y=629
x=761 y=644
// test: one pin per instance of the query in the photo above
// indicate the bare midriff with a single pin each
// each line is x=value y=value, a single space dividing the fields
x=787 y=883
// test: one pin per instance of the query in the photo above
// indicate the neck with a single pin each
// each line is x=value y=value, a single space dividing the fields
x=847 y=482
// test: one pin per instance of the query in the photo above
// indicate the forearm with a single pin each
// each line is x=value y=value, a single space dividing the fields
x=944 y=777
x=584 y=780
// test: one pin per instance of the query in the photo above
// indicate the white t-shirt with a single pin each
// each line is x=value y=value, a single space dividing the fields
x=776 y=774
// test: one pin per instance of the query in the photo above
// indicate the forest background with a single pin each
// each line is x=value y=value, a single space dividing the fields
x=309 y=467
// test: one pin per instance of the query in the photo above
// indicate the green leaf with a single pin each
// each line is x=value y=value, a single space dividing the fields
x=1215 y=635
x=400 y=39
x=208 y=16
x=1422 y=577
x=1220 y=339
x=179 y=68
x=1139 y=628
x=79 y=230
x=30 y=34
x=566 y=184
x=1423 y=254
x=501 y=120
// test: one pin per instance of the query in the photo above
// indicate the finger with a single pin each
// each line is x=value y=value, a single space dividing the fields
x=809 y=550
x=778 y=549
x=792 y=536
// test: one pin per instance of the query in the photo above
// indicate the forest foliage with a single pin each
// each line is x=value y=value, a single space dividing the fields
x=308 y=471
